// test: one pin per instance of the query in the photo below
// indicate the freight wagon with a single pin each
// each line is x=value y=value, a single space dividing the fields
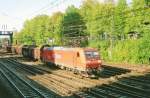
x=28 y=51
x=18 y=49
x=37 y=52
x=9 y=48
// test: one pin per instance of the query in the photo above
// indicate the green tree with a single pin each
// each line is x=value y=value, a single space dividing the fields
x=136 y=16
x=120 y=18
x=73 y=25
x=55 y=27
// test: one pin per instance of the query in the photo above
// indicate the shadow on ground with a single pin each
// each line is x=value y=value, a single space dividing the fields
x=127 y=87
x=109 y=71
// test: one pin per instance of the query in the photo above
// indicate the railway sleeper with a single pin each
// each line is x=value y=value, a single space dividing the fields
x=112 y=73
x=18 y=86
x=137 y=83
x=23 y=81
x=24 y=69
x=133 y=87
x=61 y=85
x=44 y=70
x=53 y=86
x=47 y=92
x=96 y=94
x=27 y=68
x=136 y=90
x=105 y=74
x=71 y=88
x=14 y=86
x=116 y=69
x=146 y=78
x=39 y=69
x=83 y=95
x=121 y=91
x=74 y=79
x=105 y=93
x=139 y=80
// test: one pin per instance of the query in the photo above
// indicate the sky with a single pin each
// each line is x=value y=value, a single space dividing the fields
x=13 y=13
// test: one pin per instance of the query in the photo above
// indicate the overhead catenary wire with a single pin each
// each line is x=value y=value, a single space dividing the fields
x=44 y=7
x=70 y=27
x=110 y=15
x=97 y=18
x=47 y=7
x=97 y=29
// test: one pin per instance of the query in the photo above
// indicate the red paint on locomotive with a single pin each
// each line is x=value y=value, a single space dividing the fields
x=80 y=59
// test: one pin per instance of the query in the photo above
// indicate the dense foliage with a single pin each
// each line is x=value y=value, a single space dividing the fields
x=120 y=31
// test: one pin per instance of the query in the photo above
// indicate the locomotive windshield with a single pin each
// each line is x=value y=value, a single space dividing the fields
x=91 y=54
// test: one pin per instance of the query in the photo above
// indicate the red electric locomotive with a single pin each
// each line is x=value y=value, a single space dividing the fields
x=79 y=60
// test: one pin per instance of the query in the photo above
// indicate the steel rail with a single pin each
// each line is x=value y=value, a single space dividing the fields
x=26 y=68
x=17 y=89
x=41 y=95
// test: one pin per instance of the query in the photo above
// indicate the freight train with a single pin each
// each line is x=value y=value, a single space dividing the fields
x=85 y=61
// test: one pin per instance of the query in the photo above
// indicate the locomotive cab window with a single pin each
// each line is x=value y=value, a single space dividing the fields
x=91 y=54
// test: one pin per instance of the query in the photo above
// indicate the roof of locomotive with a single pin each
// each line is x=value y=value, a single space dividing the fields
x=29 y=46
x=70 y=48
x=90 y=49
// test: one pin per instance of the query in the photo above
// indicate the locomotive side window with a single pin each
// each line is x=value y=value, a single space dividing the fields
x=78 y=55
x=88 y=54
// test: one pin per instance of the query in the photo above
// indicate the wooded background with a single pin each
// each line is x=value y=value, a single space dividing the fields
x=120 y=31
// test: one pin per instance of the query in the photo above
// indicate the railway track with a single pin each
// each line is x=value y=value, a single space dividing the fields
x=108 y=71
x=47 y=79
x=26 y=68
x=70 y=76
x=129 y=87
x=24 y=88
x=61 y=80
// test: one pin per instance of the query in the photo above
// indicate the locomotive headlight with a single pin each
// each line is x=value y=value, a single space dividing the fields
x=99 y=61
x=88 y=61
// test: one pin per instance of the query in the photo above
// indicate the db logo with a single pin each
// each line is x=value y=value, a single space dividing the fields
x=56 y=56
